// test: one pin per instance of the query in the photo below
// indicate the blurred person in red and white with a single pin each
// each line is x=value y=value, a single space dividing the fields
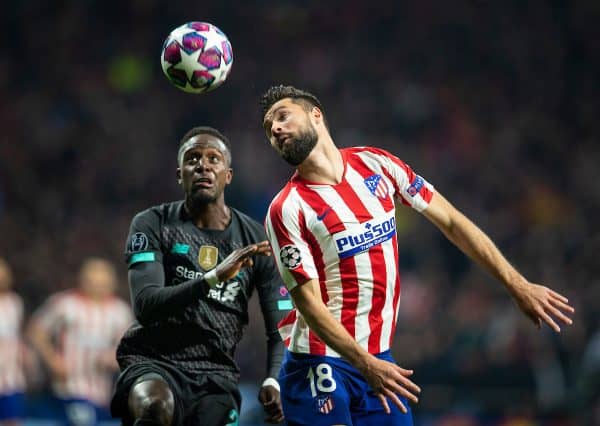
x=75 y=333
x=12 y=378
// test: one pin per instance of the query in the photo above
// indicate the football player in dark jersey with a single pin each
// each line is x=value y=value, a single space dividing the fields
x=193 y=265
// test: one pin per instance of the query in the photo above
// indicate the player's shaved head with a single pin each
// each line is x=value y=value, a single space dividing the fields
x=186 y=142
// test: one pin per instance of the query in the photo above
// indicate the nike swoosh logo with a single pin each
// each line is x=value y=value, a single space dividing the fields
x=322 y=215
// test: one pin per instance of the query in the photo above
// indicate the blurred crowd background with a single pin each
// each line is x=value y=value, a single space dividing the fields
x=495 y=103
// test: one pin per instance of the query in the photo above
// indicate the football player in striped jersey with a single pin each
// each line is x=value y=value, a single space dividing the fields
x=333 y=234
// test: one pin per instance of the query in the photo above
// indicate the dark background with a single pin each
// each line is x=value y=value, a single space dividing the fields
x=495 y=103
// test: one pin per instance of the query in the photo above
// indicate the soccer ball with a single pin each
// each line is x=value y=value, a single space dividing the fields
x=196 y=57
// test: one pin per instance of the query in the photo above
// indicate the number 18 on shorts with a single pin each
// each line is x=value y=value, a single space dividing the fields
x=326 y=391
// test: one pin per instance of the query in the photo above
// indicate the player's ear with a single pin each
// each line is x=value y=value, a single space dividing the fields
x=178 y=175
x=317 y=114
x=229 y=176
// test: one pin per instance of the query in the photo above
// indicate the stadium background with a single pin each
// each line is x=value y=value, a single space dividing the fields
x=496 y=103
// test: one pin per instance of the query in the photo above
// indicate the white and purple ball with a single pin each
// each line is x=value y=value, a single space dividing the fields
x=196 y=57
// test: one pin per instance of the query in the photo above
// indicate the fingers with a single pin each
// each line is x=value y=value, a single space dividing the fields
x=558 y=314
x=383 y=402
x=263 y=248
x=395 y=400
x=548 y=320
x=559 y=303
x=274 y=419
x=559 y=296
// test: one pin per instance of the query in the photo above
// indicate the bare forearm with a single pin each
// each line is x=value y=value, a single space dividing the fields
x=479 y=247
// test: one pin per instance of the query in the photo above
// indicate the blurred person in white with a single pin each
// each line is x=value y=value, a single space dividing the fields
x=12 y=380
x=75 y=333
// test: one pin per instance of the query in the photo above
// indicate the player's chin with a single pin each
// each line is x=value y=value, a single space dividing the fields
x=202 y=195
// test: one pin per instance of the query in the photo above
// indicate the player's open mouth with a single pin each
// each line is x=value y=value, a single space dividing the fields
x=203 y=183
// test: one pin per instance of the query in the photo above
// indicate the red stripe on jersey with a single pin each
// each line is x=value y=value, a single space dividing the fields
x=317 y=346
x=283 y=238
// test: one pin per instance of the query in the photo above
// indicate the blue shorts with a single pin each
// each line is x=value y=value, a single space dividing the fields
x=12 y=406
x=325 y=391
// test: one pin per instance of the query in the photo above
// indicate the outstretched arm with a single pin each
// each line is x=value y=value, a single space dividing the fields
x=152 y=300
x=536 y=301
x=385 y=378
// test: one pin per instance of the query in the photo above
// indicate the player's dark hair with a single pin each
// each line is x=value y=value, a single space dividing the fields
x=206 y=130
x=302 y=97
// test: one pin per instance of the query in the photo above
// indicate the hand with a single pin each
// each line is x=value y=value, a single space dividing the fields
x=388 y=379
x=539 y=302
x=271 y=401
x=237 y=259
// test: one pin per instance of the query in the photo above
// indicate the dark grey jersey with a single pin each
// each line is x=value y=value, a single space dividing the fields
x=192 y=326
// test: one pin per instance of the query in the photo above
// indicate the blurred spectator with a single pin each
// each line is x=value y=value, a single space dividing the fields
x=12 y=379
x=76 y=332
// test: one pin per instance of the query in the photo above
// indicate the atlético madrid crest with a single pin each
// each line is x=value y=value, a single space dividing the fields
x=325 y=404
x=377 y=186
x=208 y=257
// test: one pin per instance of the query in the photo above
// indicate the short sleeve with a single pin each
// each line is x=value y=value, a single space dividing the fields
x=285 y=228
x=410 y=188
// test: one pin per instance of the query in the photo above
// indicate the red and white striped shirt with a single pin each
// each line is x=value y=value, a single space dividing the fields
x=85 y=330
x=12 y=379
x=344 y=236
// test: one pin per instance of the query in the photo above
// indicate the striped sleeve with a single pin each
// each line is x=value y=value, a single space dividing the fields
x=409 y=188
x=284 y=223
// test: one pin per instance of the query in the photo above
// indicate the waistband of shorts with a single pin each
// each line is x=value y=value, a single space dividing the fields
x=296 y=356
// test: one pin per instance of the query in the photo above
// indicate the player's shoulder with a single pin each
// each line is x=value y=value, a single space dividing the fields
x=287 y=196
x=162 y=212
x=63 y=297
x=369 y=151
x=246 y=221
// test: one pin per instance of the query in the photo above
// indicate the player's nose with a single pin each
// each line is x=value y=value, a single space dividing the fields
x=203 y=164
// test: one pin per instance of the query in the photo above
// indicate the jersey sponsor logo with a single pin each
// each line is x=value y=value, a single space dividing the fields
x=325 y=404
x=222 y=292
x=208 y=257
x=360 y=238
x=225 y=292
x=290 y=256
x=416 y=186
x=377 y=186
x=137 y=242
x=187 y=274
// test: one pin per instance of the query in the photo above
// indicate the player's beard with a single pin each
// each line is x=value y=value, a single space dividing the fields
x=297 y=149
x=198 y=198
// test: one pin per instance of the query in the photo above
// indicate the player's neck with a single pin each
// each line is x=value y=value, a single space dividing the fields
x=324 y=164
x=209 y=216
